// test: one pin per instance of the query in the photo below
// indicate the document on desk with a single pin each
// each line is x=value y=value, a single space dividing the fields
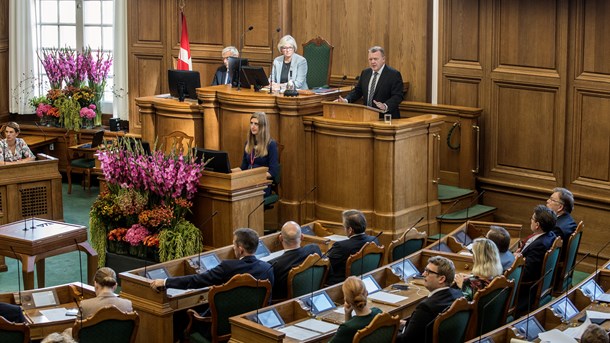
x=555 y=336
x=55 y=314
x=298 y=333
x=174 y=292
x=597 y=315
x=317 y=325
x=387 y=298
x=272 y=256
x=577 y=332
x=336 y=238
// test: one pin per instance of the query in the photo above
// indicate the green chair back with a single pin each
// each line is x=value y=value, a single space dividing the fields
x=514 y=275
x=12 y=337
x=318 y=53
x=492 y=304
x=116 y=331
x=570 y=260
x=407 y=248
x=452 y=325
x=235 y=302
x=368 y=258
x=308 y=281
x=383 y=328
x=384 y=334
x=550 y=264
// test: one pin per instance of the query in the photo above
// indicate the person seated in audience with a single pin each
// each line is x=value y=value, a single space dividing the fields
x=486 y=266
x=245 y=242
x=354 y=224
x=542 y=224
x=105 y=284
x=438 y=276
x=501 y=238
x=355 y=299
x=12 y=313
x=294 y=254
x=289 y=65
x=561 y=202
x=594 y=334
x=261 y=149
x=57 y=337
x=222 y=75
x=12 y=148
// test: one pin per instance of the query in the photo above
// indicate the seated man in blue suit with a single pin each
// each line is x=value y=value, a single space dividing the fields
x=562 y=203
x=12 y=313
x=438 y=277
x=222 y=76
x=354 y=224
x=245 y=242
x=294 y=254
x=542 y=224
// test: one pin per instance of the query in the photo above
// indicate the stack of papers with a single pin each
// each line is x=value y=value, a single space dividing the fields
x=387 y=298
x=308 y=329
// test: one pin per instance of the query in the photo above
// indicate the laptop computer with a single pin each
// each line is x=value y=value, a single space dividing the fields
x=98 y=139
x=261 y=250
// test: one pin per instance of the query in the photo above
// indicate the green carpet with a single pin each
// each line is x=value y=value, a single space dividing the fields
x=63 y=268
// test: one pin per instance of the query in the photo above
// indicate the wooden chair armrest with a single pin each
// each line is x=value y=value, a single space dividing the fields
x=194 y=316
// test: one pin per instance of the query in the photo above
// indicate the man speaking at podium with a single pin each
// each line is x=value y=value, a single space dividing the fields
x=380 y=85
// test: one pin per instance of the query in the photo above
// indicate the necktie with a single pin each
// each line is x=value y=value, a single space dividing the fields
x=369 y=102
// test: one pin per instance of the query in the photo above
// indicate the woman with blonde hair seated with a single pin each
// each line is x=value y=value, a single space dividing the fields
x=105 y=283
x=485 y=268
x=355 y=299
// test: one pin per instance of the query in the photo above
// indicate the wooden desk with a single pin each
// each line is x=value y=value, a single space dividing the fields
x=46 y=238
x=243 y=330
x=35 y=142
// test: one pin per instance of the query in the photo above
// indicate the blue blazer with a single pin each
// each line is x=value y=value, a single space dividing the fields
x=534 y=254
x=298 y=67
x=283 y=264
x=389 y=89
x=339 y=253
x=224 y=272
x=271 y=161
x=12 y=313
x=220 y=75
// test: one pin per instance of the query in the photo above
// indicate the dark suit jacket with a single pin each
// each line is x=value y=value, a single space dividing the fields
x=532 y=270
x=339 y=253
x=12 y=313
x=419 y=328
x=389 y=89
x=224 y=272
x=564 y=227
x=283 y=264
x=220 y=75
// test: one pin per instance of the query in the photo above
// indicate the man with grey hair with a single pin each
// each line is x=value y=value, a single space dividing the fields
x=379 y=86
x=438 y=277
x=354 y=224
x=222 y=75
x=294 y=254
x=561 y=202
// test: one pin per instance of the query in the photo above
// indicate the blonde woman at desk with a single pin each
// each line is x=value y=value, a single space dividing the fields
x=12 y=148
x=355 y=295
x=486 y=266
x=105 y=284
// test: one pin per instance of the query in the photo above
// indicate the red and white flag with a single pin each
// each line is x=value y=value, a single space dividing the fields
x=184 y=57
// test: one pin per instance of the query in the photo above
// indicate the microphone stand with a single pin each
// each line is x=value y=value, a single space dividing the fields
x=312 y=278
x=529 y=300
x=25 y=221
x=472 y=202
x=80 y=264
x=272 y=64
x=200 y=239
x=303 y=199
x=565 y=310
x=362 y=253
x=18 y=276
x=250 y=214
x=596 y=266
x=404 y=237
x=441 y=216
x=241 y=48
x=261 y=300
x=480 y=333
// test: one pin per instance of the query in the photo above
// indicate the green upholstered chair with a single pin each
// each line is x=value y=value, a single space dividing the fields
x=563 y=280
x=514 y=273
x=77 y=162
x=108 y=324
x=241 y=294
x=274 y=197
x=368 y=258
x=307 y=277
x=492 y=303
x=383 y=328
x=13 y=332
x=408 y=243
x=319 y=55
x=549 y=264
x=452 y=325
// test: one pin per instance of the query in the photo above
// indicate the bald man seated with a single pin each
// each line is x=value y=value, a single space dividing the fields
x=294 y=254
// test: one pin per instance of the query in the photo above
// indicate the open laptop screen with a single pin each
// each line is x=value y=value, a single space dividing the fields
x=321 y=302
x=405 y=269
x=565 y=309
x=530 y=328
x=269 y=318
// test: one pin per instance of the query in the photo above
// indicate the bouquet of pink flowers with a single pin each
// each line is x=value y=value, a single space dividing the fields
x=135 y=234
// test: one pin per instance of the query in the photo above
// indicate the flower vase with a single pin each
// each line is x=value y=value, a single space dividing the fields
x=88 y=123
x=97 y=100
x=122 y=248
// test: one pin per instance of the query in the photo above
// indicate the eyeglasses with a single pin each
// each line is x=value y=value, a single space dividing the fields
x=287 y=48
x=426 y=270
x=556 y=201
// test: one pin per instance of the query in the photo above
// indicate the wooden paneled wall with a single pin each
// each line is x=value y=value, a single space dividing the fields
x=541 y=72
x=401 y=27
x=4 y=91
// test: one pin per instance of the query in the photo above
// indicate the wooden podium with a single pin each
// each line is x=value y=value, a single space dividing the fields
x=350 y=112
x=236 y=199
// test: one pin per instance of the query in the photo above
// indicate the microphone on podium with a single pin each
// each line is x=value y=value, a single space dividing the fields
x=250 y=214
x=241 y=48
x=303 y=199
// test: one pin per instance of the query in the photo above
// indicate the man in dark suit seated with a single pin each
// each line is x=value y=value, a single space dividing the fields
x=222 y=76
x=12 y=313
x=294 y=254
x=438 y=277
x=380 y=85
x=245 y=242
x=542 y=224
x=354 y=224
x=562 y=203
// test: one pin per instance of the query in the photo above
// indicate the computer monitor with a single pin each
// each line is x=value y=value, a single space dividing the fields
x=157 y=273
x=463 y=238
x=529 y=328
x=208 y=262
x=183 y=83
x=256 y=77
x=269 y=318
x=442 y=246
x=321 y=302
x=565 y=309
x=234 y=65
x=217 y=160
x=261 y=250
x=405 y=269
x=371 y=284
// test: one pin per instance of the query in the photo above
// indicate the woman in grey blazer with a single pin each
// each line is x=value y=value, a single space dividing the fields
x=289 y=65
